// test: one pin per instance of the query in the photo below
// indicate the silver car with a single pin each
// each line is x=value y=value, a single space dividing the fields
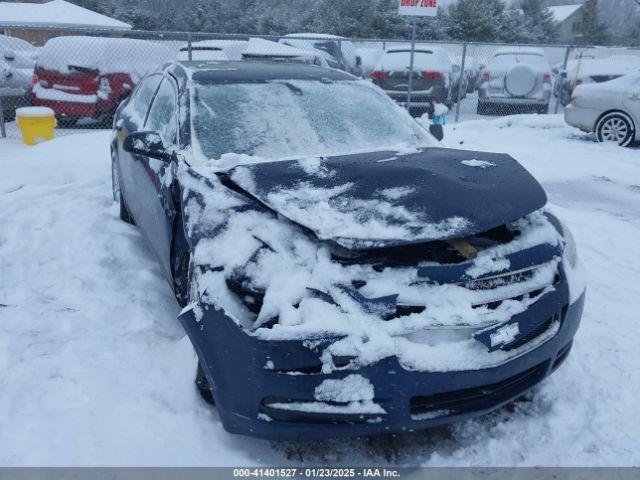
x=17 y=60
x=516 y=80
x=610 y=109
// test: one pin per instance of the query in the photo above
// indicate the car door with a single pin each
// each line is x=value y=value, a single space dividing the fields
x=131 y=119
x=154 y=211
x=632 y=100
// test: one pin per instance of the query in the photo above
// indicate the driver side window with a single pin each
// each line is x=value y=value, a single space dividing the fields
x=163 y=114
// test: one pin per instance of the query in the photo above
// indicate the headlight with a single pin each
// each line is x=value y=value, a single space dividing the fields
x=570 y=250
x=576 y=278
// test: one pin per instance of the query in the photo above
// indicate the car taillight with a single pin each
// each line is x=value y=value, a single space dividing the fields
x=486 y=76
x=379 y=74
x=547 y=78
x=432 y=75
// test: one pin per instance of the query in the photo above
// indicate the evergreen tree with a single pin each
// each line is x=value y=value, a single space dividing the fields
x=594 y=32
x=514 y=28
x=476 y=21
x=539 y=22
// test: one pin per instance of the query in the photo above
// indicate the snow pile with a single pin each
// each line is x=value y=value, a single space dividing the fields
x=94 y=369
x=478 y=163
x=350 y=395
x=306 y=294
x=105 y=55
x=616 y=65
x=342 y=215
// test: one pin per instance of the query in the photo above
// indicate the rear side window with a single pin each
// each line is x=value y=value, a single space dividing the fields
x=141 y=101
x=163 y=114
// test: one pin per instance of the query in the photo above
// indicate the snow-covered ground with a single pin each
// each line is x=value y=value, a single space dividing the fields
x=95 y=370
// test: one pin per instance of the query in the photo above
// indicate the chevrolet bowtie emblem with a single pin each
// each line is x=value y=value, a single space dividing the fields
x=505 y=335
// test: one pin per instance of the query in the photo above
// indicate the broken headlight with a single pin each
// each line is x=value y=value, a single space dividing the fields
x=576 y=278
x=570 y=249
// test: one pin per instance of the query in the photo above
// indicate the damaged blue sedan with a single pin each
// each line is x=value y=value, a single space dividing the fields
x=341 y=274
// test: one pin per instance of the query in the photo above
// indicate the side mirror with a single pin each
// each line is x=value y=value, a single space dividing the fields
x=9 y=55
x=148 y=144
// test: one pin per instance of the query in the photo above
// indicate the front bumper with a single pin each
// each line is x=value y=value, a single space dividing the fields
x=248 y=376
x=68 y=109
x=419 y=98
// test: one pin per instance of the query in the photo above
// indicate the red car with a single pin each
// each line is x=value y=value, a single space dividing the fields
x=87 y=77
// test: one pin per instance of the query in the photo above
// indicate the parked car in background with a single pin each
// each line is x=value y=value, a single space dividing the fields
x=87 y=77
x=610 y=109
x=433 y=76
x=516 y=80
x=338 y=52
x=583 y=71
x=461 y=78
x=17 y=61
x=213 y=50
x=326 y=247
x=261 y=49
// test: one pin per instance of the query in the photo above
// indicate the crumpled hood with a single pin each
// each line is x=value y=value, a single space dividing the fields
x=383 y=199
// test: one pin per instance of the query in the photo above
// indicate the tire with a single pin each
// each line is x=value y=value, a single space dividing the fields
x=543 y=110
x=483 y=108
x=9 y=115
x=616 y=127
x=520 y=81
x=117 y=193
x=203 y=387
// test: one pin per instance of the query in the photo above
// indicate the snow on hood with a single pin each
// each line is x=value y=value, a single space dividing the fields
x=368 y=200
x=310 y=296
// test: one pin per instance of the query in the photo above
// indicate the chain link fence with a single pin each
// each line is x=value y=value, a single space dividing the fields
x=83 y=76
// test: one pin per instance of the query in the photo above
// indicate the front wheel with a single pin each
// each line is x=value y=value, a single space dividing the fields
x=543 y=110
x=615 y=127
x=203 y=386
x=117 y=192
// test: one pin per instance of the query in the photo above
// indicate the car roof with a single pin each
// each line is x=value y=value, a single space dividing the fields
x=257 y=71
x=519 y=51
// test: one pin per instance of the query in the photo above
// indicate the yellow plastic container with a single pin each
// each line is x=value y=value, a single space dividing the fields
x=37 y=124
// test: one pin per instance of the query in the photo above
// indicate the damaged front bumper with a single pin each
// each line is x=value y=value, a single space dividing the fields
x=268 y=389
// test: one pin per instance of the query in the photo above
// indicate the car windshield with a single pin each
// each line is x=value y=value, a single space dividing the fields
x=289 y=119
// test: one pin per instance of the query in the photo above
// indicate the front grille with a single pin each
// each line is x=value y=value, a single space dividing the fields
x=533 y=334
x=478 y=398
x=301 y=411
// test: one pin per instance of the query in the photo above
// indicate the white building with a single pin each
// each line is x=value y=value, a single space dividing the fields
x=569 y=19
x=53 y=18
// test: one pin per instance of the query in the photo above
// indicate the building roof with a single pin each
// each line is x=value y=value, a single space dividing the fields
x=562 y=12
x=55 y=14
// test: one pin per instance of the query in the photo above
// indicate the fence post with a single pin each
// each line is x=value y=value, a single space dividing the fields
x=3 y=130
x=190 y=56
x=562 y=77
x=341 y=57
x=413 y=54
x=459 y=99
